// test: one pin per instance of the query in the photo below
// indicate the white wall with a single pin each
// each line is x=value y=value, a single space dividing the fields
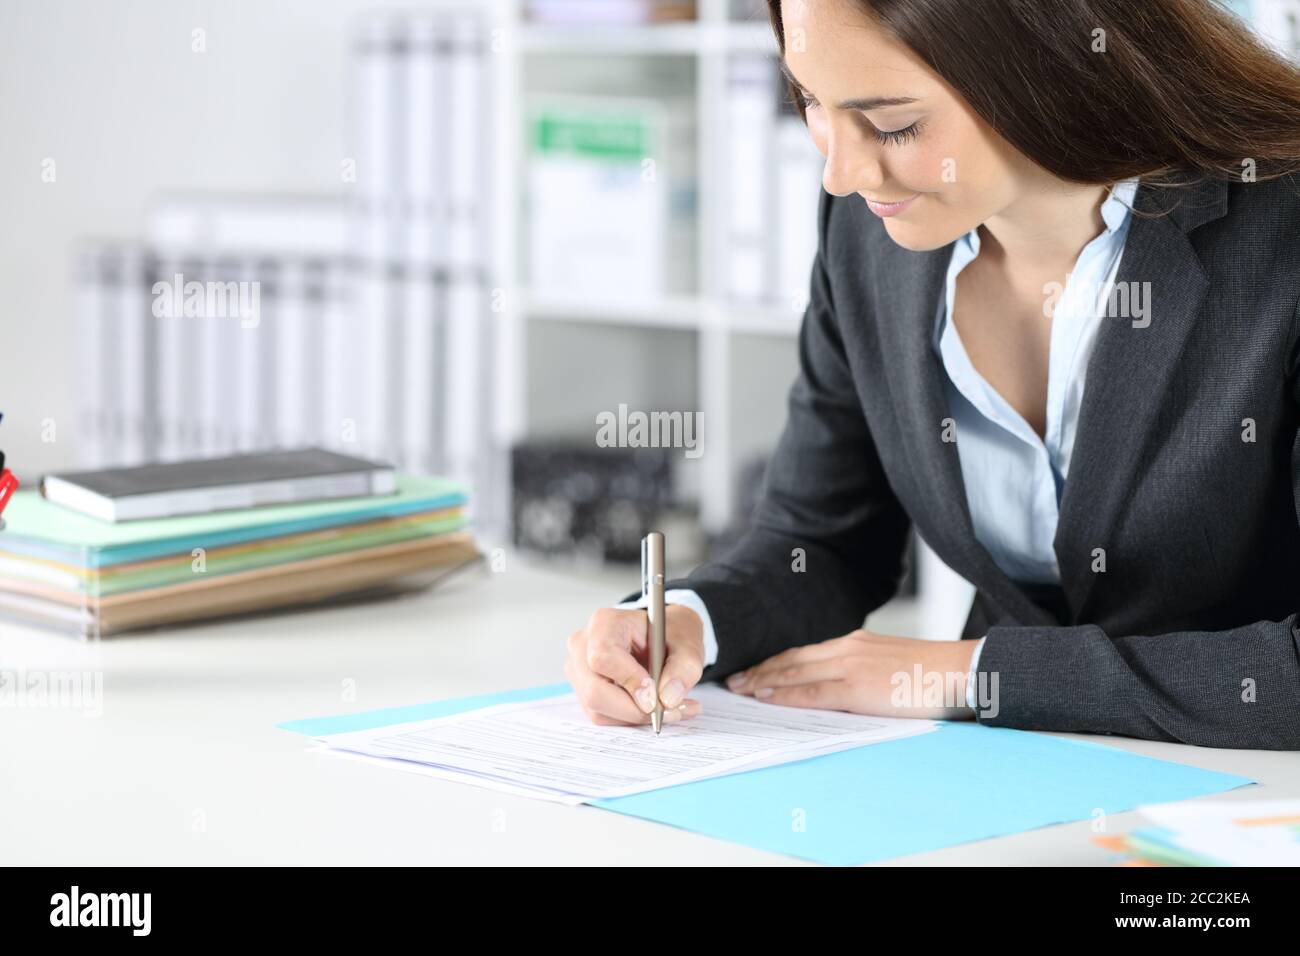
x=112 y=92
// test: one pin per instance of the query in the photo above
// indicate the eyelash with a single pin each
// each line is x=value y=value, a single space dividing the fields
x=893 y=137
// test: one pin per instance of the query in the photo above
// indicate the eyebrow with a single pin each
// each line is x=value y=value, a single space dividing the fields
x=866 y=103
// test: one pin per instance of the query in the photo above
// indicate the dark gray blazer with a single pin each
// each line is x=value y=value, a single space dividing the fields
x=1190 y=633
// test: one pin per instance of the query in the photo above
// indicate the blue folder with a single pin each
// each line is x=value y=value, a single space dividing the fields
x=960 y=783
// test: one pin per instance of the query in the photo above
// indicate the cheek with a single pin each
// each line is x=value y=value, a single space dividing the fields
x=940 y=158
x=969 y=161
x=920 y=165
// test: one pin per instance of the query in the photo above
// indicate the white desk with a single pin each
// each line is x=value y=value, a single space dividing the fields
x=186 y=766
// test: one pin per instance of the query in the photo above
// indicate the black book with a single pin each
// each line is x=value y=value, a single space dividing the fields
x=218 y=484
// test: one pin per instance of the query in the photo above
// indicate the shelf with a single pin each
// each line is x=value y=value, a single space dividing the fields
x=677 y=312
x=666 y=39
x=763 y=320
x=699 y=50
x=682 y=312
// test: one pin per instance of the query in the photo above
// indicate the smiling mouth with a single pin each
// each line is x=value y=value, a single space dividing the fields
x=891 y=208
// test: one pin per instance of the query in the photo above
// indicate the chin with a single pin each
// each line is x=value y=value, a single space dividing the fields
x=916 y=239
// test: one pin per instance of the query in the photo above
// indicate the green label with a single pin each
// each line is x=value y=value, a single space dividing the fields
x=601 y=136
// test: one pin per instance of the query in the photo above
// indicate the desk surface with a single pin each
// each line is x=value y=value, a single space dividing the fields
x=186 y=766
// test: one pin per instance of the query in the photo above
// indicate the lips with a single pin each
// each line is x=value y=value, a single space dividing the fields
x=891 y=208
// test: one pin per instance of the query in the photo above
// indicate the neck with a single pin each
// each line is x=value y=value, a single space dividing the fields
x=1046 y=228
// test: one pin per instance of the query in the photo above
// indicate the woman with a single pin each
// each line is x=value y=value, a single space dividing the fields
x=1024 y=199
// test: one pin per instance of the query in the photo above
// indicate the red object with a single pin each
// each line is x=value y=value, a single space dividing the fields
x=8 y=484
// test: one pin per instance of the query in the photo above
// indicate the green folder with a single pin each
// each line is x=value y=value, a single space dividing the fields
x=37 y=528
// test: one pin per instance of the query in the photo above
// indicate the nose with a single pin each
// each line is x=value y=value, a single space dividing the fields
x=852 y=160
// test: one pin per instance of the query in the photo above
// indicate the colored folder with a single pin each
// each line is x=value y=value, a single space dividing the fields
x=961 y=783
x=78 y=582
x=63 y=569
x=38 y=528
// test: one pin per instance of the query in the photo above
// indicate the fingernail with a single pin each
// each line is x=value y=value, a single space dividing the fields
x=682 y=711
x=736 y=681
x=763 y=692
x=645 y=699
x=672 y=694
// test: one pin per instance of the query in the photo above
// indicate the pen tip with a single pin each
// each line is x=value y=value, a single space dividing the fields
x=658 y=722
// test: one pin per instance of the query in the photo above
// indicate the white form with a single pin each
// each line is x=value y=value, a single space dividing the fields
x=549 y=748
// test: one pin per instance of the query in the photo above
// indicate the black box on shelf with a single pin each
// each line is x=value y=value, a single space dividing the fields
x=580 y=500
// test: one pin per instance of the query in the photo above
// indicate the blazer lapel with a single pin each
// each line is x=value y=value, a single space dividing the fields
x=911 y=288
x=1128 y=375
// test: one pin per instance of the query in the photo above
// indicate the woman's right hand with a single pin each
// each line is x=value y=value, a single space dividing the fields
x=608 y=665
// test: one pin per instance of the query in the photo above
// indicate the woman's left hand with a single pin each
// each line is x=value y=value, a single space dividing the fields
x=866 y=673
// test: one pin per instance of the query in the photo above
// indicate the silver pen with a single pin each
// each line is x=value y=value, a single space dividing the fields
x=652 y=585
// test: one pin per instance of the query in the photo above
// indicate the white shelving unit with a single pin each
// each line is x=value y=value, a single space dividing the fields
x=717 y=324
x=702 y=46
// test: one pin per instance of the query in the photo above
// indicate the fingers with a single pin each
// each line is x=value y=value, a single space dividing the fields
x=604 y=699
x=822 y=695
x=743 y=682
x=769 y=675
x=822 y=650
x=611 y=637
x=682 y=667
x=606 y=704
x=688 y=708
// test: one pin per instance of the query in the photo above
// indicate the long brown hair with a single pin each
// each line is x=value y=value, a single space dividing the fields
x=1182 y=86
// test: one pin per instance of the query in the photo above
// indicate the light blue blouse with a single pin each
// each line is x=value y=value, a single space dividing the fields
x=1013 y=478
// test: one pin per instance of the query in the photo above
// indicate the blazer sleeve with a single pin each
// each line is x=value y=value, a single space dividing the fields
x=826 y=543
x=1237 y=688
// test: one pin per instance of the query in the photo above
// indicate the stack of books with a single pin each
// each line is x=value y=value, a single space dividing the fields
x=1213 y=833
x=61 y=567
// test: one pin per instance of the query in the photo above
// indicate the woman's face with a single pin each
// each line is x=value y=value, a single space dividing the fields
x=923 y=144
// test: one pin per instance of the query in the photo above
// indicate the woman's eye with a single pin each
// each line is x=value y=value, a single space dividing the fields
x=807 y=101
x=898 y=136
